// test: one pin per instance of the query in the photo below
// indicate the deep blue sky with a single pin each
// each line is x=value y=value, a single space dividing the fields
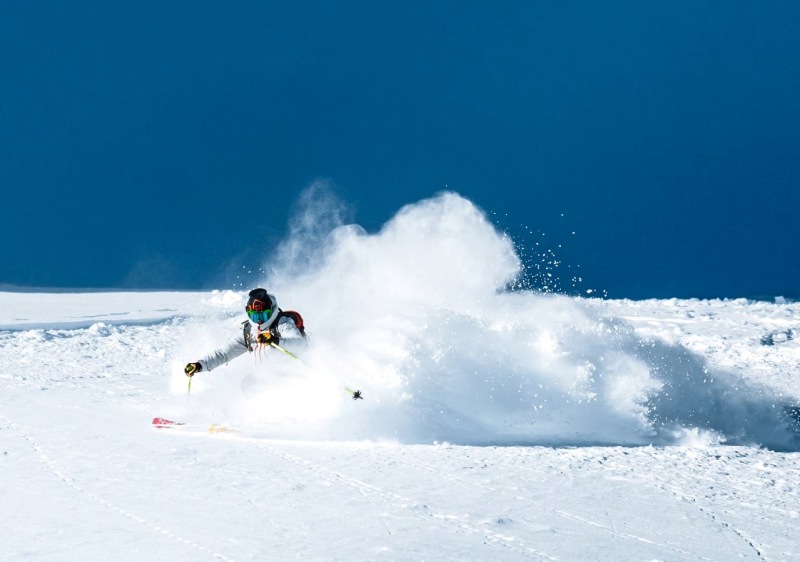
x=162 y=144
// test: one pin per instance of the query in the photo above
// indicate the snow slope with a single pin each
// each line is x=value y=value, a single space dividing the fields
x=496 y=425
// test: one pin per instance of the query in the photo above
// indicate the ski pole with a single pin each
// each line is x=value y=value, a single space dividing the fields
x=289 y=353
x=189 y=396
x=356 y=394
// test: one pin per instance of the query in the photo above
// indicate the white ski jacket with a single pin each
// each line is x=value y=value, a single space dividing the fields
x=279 y=323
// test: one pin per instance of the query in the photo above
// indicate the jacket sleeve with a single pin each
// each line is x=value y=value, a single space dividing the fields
x=221 y=356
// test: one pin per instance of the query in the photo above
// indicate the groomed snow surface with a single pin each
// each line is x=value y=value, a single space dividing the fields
x=495 y=425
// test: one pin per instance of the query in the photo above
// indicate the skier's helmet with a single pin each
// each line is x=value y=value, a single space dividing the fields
x=259 y=305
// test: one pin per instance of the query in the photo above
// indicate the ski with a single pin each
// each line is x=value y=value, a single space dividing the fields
x=164 y=423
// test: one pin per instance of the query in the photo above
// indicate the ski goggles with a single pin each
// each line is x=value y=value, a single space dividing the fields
x=259 y=316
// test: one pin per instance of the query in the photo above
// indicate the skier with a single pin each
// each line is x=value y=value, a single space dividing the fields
x=262 y=308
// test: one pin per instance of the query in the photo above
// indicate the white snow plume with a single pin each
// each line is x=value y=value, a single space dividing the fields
x=317 y=213
x=418 y=317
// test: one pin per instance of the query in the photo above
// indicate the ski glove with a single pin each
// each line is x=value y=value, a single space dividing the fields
x=192 y=368
x=267 y=338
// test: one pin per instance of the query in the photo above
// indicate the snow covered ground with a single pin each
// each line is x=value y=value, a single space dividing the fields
x=495 y=425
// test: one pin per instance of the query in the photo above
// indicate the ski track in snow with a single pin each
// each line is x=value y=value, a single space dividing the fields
x=679 y=491
x=635 y=534
x=51 y=466
x=451 y=522
x=740 y=540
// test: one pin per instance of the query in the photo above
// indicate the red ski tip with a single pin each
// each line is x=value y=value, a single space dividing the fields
x=163 y=423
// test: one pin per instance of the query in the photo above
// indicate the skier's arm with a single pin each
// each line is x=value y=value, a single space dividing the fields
x=223 y=355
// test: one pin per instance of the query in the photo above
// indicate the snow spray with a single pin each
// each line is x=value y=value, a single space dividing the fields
x=422 y=317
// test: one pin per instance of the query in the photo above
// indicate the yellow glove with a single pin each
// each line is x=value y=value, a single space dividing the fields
x=264 y=337
x=192 y=368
